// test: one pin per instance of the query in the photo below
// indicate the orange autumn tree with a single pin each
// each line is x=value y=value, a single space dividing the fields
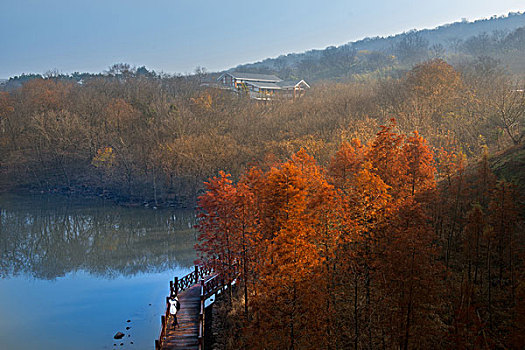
x=387 y=160
x=246 y=220
x=331 y=258
x=378 y=183
x=365 y=209
x=285 y=310
x=419 y=164
x=229 y=233
x=346 y=162
x=218 y=241
x=406 y=266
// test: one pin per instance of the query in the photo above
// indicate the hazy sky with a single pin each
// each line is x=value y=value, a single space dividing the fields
x=178 y=35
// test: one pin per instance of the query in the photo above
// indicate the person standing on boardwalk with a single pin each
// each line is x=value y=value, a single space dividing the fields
x=174 y=308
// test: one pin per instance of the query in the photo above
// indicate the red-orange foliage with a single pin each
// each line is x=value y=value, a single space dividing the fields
x=348 y=257
x=218 y=237
x=346 y=163
x=386 y=156
x=420 y=164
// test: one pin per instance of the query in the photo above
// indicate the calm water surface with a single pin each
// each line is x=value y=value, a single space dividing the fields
x=73 y=271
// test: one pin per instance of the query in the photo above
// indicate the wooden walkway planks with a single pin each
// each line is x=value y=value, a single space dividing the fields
x=192 y=290
x=186 y=335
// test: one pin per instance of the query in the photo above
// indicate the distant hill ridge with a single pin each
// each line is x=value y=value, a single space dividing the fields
x=453 y=41
x=501 y=38
x=445 y=34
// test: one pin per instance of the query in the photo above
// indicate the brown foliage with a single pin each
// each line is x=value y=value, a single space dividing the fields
x=168 y=135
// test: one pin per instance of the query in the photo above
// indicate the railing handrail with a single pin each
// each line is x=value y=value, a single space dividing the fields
x=209 y=286
x=201 y=316
x=177 y=286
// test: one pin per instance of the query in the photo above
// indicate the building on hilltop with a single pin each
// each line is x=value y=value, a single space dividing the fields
x=262 y=86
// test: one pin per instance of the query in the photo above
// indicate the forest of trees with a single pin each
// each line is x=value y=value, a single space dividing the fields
x=139 y=137
x=368 y=252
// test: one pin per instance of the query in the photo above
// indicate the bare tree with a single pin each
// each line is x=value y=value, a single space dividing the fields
x=508 y=108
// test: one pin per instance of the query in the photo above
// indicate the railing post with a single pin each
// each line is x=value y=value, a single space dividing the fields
x=163 y=331
x=217 y=283
x=201 y=318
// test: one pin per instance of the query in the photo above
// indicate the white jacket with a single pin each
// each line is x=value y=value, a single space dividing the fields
x=173 y=306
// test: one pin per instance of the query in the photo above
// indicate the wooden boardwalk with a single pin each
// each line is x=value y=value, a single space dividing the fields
x=192 y=290
x=185 y=335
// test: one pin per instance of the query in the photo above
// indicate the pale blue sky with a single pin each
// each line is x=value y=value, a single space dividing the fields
x=175 y=36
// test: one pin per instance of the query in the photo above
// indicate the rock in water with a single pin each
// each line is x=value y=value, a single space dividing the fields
x=119 y=335
x=128 y=328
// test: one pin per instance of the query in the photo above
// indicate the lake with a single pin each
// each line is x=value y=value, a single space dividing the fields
x=74 y=271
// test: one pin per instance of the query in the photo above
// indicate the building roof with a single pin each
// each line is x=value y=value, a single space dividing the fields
x=264 y=85
x=253 y=77
x=288 y=84
x=281 y=85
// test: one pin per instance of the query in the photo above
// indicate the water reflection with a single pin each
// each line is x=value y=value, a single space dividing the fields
x=49 y=236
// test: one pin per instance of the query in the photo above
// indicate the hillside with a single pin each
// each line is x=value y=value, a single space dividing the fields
x=501 y=38
x=510 y=165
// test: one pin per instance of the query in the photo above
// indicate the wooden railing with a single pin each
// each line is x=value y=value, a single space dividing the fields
x=211 y=286
x=177 y=286
x=163 y=321
x=201 y=318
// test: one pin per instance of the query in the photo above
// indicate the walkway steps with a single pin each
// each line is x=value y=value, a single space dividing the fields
x=185 y=335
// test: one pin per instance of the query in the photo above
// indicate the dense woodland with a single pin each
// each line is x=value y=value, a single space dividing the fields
x=150 y=138
x=368 y=252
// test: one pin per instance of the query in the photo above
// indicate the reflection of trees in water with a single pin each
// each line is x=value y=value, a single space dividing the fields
x=49 y=237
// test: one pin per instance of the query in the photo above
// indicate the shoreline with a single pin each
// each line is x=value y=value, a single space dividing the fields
x=85 y=192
